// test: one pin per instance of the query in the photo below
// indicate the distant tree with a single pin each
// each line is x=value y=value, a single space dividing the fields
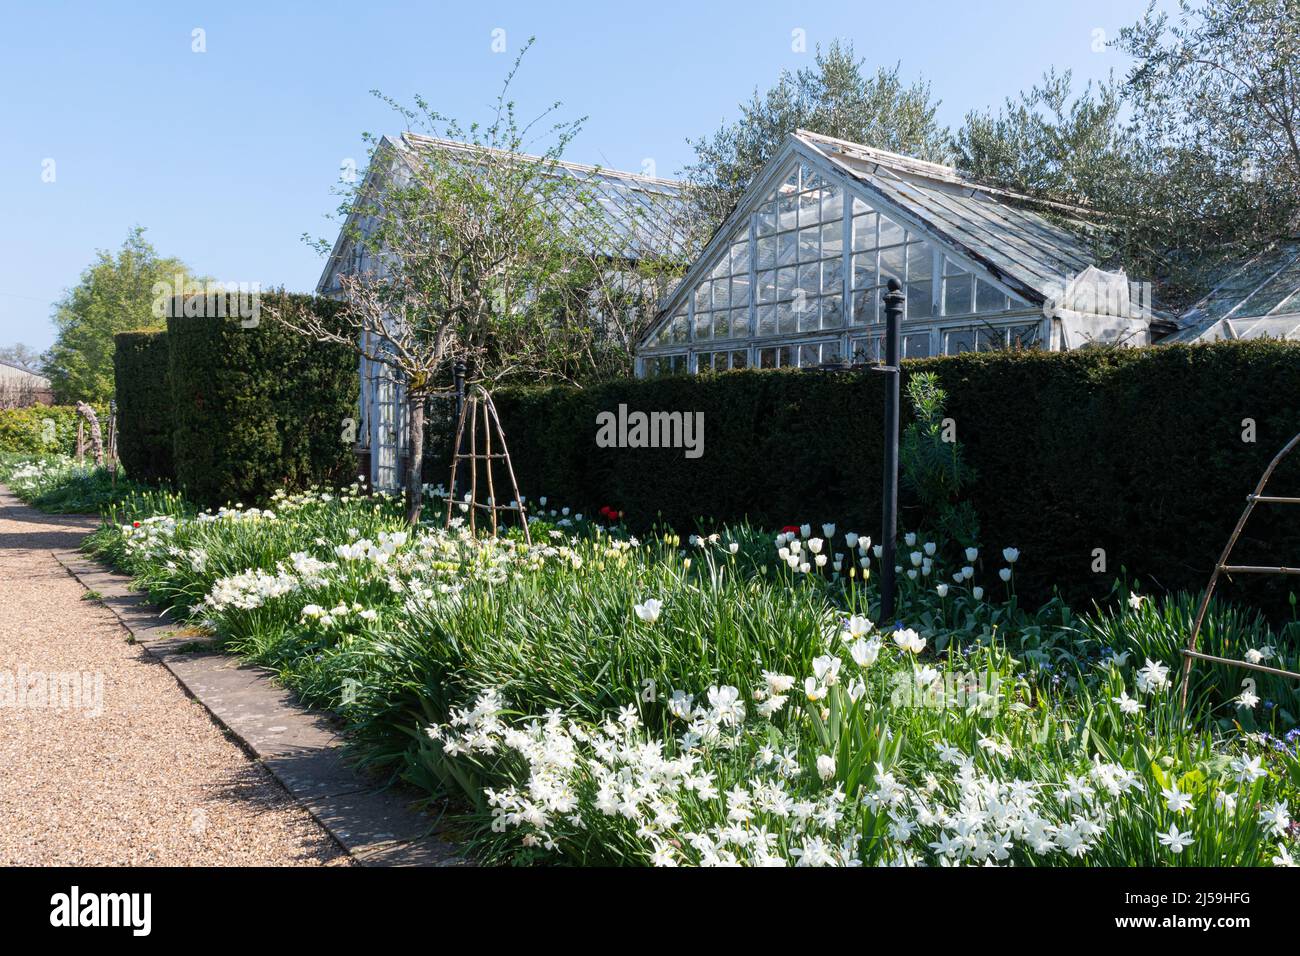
x=1189 y=162
x=837 y=96
x=115 y=294
x=21 y=355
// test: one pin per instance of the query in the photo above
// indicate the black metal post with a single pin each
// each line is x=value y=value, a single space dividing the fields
x=894 y=300
x=458 y=373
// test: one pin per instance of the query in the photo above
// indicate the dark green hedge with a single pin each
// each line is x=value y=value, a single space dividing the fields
x=258 y=408
x=1135 y=451
x=142 y=387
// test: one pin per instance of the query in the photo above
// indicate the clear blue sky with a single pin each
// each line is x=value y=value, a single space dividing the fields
x=228 y=156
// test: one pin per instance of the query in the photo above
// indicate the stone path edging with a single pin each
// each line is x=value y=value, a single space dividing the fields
x=300 y=748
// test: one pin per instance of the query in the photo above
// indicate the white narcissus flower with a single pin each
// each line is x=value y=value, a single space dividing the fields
x=1283 y=857
x=1254 y=656
x=825 y=766
x=1248 y=769
x=1152 y=677
x=1005 y=574
x=1175 y=839
x=1176 y=800
x=1135 y=600
x=813 y=690
x=777 y=683
x=649 y=610
x=1010 y=555
x=1247 y=700
x=972 y=554
x=1276 y=818
x=857 y=689
x=1127 y=705
x=828 y=530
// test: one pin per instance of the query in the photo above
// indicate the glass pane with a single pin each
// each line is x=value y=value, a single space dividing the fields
x=859 y=207
x=860 y=351
x=958 y=341
x=739 y=359
x=721 y=295
x=722 y=268
x=767 y=320
x=831 y=352
x=864 y=306
x=989 y=299
x=891 y=264
x=703 y=295
x=785 y=319
x=766 y=286
x=767 y=252
x=809 y=209
x=864 y=231
x=703 y=325
x=740 y=257
x=864 y=270
x=920 y=263
x=809 y=245
x=832 y=277
x=678 y=364
x=767 y=358
x=956 y=295
x=740 y=323
x=785 y=255
x=809 y=355
x=989 y=340
x=785 y=282
x=739 y=291
x=721 y=321
x=832 y=204
x=810 y=278
x=808 y=315
x=916 y=346
x=832 y=312
x=891 y=233
x=787 y=213
x=767 y=219
x=919 y=305
x=679 y=329
x=832 y=239
x=1024 y=336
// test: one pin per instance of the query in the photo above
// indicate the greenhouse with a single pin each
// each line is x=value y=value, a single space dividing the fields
x=1260 y=299
x=794 y=277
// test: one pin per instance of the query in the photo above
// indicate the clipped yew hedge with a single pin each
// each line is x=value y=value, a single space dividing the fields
x=256 y=406
x=142 y=388
x=1137 y=452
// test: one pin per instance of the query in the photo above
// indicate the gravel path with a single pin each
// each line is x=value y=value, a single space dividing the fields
x=135 y=774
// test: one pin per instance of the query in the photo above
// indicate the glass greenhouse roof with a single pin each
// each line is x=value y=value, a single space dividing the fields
x=1261 y=298
x=642 y=212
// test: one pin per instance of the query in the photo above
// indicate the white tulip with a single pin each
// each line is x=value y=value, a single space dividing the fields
x=916 y=557
x=910 y=538
x=826 y=766
x=942 y=590
x=649 y=611
x=977 y=593
x=972 y=554
x=828 y=530
x=1009 y=555
x=1005 y=574
x=805 y=530
x=931 y=548
x=815 y=545
x=851 y=540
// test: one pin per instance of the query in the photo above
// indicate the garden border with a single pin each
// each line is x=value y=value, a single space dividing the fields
x=300 y=748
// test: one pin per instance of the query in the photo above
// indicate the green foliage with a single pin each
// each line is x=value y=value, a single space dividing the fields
x=41 y=429
x=61 y=485
x=144 y=405
x=115 y=294
x=1138 y=452
x=931 y=464
x=835 y=96
x=259 y=407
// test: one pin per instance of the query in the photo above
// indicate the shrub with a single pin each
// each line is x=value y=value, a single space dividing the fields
x=44 y=429
x=144 y=405
x=1096 y=459
x=258 y=407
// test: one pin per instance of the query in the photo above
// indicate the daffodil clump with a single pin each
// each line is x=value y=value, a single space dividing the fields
x=731 y=697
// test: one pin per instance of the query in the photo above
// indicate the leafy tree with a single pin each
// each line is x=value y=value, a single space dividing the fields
x=116 y=294
x=469 y=251
x=21 y=355
x=837 y=96
x=1189 y=162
